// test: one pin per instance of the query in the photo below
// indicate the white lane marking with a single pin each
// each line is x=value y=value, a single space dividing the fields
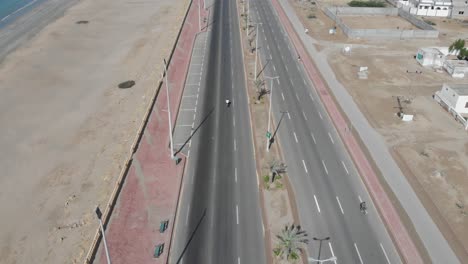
x=341 y=208
x=331 y=249
x=331 y=138
x=238 y=260
x=385 y=253
x=313 y=137
x=274 y=68
x=305 y=117
x=289 y=116
x=305 y=83
x=271 y=57
x=184 y=125
x=286 y=66
x=235 y=147
x=295 y=137
x=360 y=200
x=186 y=217
x=324 y=166
x=320 y=115
x=297 y=96
x=359 y=255
x=305 y=167
x=186 y=109
x=277 y=80
x=316 y=203
x=263 y=229
x=268 y=47
x=258 y=182
x=233 y=122
x=282 y=95
x=237 y=213
x=344 y=166
x=235 y=174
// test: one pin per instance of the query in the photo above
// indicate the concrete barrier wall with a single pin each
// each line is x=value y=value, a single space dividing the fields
x=426 y=31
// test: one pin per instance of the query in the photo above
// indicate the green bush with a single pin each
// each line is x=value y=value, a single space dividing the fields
x=371 y=3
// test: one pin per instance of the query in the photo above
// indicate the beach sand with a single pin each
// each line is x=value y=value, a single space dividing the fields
x=66 y=128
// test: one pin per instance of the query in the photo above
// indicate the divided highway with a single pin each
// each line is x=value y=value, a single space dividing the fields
x=327 y=187
x=219 y=217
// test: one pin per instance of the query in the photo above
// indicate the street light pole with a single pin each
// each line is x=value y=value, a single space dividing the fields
x=256 y=48
x=99 y=215
x=168 y=110
x=320 y=247
x=269 y=111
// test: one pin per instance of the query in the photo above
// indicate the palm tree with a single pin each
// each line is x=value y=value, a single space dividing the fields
x=291 y=241
x=459 y=47
x=276 y=168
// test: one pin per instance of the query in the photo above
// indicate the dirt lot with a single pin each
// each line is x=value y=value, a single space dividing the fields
x=432 y=151
x=377 y=22
x=67 y=128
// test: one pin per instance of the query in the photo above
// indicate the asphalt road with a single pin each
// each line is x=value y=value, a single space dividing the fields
x=219 y=218
x=327 y=187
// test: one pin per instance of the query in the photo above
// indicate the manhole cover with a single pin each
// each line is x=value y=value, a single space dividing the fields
x=127 y=84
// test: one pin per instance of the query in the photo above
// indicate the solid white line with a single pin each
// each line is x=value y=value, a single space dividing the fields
x=235 y=147
x=304 y=115
x=186 y=217
x=331 y=249
x=282 y=95
x=385 y=253
x=289 y=116
x=295 y=137
x=344 y=166
x=237 y=213
x=316 y=202
x=341 y=208
x=305 y=167
x=325 y=167
x=235 y=174
x=320 y=115
x=188 y=109
x=359 y=255
x=184 y=125
x=331 y=138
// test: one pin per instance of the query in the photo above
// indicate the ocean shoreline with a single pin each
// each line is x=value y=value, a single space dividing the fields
x=22 y=25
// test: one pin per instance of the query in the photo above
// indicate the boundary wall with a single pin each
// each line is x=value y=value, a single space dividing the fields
x=425 y=30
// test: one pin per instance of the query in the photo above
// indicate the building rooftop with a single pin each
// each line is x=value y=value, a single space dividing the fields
x=460 y=89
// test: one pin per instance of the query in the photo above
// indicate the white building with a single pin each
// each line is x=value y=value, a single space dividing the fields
x=455 y=96
x=430 y=57
x=460 y=9
x=437 y=8
x=456 y=68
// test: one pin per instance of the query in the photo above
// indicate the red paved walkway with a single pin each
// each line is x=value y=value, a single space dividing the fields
x=150 y=192
x=387 y=210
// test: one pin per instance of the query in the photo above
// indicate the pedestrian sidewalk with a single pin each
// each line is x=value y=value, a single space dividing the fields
x=304 y=47
x=151 y=189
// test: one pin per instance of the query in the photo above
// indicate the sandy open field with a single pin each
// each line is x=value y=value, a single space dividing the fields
x=377 y=22
x=67 y=128
x=432 y=151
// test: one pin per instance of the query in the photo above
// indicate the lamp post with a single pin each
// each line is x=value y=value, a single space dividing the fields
x=320 y=247
x=99 y=215
x=168 y=110
x=256 y=48
x=269 y=112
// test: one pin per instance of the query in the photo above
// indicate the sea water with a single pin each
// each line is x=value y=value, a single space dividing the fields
x=11 y=9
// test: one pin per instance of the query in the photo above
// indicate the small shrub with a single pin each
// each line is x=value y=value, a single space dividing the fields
x=371 y=3
x=429 y=22
x=278 y=185
x=266 y=179
x=311 y=16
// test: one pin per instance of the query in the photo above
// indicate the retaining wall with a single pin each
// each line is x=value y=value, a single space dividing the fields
x=425 y=31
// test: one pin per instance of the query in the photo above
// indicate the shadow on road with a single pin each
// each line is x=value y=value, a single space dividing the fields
x=195 y=131
x=264 y=66
x=191 y=236
x=272 y=140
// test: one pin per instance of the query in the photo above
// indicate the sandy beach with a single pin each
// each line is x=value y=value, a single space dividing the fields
x=65 y=126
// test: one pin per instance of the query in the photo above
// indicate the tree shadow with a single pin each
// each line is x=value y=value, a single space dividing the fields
x=194 y=132
x=191 y=236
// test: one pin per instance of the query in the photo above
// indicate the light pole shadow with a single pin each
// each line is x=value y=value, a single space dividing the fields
x=272 y=140
x=194 y=132
x=191 y=236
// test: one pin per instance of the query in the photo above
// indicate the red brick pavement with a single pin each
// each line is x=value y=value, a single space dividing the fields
x=151 y=190
x=400 y=235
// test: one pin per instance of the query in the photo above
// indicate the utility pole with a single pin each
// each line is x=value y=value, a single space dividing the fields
x=268 y=134
x=168 y=110
x=256 y=48
x=320 y=247
x=99 y=216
